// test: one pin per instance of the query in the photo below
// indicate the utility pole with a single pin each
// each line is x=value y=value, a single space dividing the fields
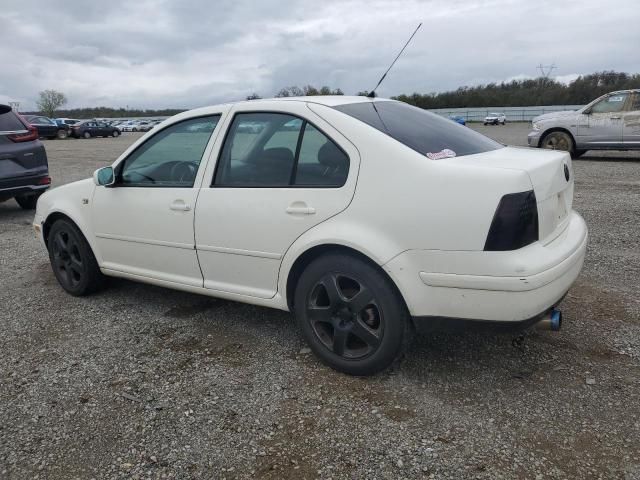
x=545 y=72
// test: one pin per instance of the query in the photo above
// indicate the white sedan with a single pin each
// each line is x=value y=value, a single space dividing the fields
x=495 y=119
x=365 y=217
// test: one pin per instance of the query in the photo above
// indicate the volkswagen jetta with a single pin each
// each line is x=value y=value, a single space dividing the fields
x=365 y=217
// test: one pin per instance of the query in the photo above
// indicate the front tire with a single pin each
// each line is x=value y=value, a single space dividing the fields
x=351 y=314
x=558 y=141
x=73 y=263
x=115 y=133
x=62 y=134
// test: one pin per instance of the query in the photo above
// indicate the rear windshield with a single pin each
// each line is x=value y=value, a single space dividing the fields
x=424 y=132
x=9 y=122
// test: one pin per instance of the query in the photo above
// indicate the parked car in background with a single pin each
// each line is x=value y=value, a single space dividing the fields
x=129 y=126
x=359 y=267
x=144 y=126
x=67 y=121
x=92 y=128
x=495 y=119
x=48 y=128
x=458 y=119
x=24 y=171
x=610 y=122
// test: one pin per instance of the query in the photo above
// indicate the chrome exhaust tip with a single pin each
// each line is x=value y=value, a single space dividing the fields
x=552 y=320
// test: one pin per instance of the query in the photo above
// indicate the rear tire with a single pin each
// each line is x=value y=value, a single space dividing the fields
x=86 y=135
x=115 y=133
x=72 y=260
x=351 y=314
x=28 y=202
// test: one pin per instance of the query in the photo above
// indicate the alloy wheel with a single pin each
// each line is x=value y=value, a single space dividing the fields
x=67 y=259
x=345 y=316
x=557 y=141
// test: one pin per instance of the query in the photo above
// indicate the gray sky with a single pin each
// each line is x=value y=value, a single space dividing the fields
x=189 y=53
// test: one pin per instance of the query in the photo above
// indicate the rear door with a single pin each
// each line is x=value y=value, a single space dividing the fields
x=279 y=172
x=631 y=123
x=601 y=127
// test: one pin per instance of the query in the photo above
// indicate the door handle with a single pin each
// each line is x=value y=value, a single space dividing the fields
x=615 y=118
x=300 y=208
x=179 y=206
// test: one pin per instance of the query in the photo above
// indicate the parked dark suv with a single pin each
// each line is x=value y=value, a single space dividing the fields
x=48 y=128
x=24 y=171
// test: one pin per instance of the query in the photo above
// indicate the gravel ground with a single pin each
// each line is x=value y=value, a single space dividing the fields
x=143 y=382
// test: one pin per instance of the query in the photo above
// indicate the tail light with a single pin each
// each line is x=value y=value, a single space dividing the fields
x=44 y=181
x=515 y=223
x=32 y=134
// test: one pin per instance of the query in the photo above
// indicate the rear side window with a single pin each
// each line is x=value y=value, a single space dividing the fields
x=424 y=132
x=279 y=150
x=9 y=122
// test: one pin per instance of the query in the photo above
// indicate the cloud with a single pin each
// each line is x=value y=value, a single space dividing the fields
x=161 y=53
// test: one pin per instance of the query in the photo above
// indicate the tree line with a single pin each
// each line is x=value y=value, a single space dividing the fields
x=517 y=93
x=530 y=92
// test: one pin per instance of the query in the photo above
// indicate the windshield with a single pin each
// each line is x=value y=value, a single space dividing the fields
x=424 y=132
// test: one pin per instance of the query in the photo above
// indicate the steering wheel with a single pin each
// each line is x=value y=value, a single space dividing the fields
x=183 y=171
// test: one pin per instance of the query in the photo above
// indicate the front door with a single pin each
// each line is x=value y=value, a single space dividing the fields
x=144 y=223
x=631 y=123
x=277 y=175
x=601 y=127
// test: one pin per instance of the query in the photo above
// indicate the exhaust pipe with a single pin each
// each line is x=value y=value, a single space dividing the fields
x=552 y=320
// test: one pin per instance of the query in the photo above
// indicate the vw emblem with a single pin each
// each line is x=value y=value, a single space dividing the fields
x=566 y=172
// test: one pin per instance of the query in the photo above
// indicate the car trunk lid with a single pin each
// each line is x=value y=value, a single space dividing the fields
x=551 y=176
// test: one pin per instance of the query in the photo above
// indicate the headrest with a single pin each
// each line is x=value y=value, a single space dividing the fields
x=331 y=156
x=279 y=154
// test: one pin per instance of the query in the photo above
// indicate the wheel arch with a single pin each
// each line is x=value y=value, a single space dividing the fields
x=317 y=251
x=557 y=129
x=55 y=215
x=51 y=219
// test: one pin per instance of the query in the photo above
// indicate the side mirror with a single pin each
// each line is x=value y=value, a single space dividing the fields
x=104 y=177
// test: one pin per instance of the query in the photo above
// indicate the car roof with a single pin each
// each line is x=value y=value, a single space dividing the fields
x=328 y=100
x=631 y=90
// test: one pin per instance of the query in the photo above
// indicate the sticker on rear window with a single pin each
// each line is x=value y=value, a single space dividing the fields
x=446 y=153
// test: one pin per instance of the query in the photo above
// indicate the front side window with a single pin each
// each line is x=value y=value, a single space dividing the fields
x=279 y=150
x=422 y=131
x=171 y=157
x=611 y=104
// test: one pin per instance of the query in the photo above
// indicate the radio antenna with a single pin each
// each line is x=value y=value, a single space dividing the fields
x=372 y=94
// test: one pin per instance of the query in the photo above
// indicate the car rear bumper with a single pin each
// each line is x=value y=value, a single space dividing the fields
x=511 y=286
x=22 y=185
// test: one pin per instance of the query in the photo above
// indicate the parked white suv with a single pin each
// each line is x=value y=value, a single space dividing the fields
x=495 y=119
x=363 y=216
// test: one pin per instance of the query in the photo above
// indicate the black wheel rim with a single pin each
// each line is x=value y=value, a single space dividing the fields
x=345 y=316
x=67 y=260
